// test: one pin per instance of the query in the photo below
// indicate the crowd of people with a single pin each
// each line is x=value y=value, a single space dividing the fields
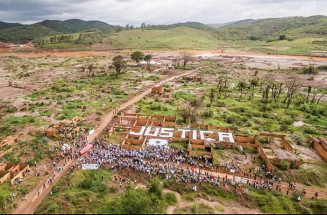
x=171 y=163
x=106 y=154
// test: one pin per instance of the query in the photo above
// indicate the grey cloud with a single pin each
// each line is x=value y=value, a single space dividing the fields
x=156 y=11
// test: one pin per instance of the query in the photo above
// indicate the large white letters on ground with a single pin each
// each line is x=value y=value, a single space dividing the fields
x=169 y=133
x=225 y=135
x=155 y=133
x=184 y=132
x=195 y=134
x=166 y=132
x=138 y=133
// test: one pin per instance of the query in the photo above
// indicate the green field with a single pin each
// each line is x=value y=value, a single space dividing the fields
x=177 y=38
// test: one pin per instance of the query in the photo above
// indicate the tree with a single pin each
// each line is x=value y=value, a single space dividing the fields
x=292 y=85
x=220 y=84
x=118 y=29
x=137 y=56
x=241 y=86
x=119 y=64
x=309 y=91
x=186 y=58
x=188 y=113
x=148 y=58
x=143 y=25
x=282 y=37
x=91 y=70
x=176 y=62
x=212 y=95
x=83 y=68
x=254 y=83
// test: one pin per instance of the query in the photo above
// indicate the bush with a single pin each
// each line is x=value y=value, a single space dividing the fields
x=282 y=37
x=298 y=139
x=208 y=113
x=309 y=130
x=265 y=115
x=155 y=188
x=254 y=38
x=132 y=202
x=310 y=70
x=155 y=107
x=89 y=183
x=53 y=208
x=231 y=119
x=171 y=198
x=284 y=165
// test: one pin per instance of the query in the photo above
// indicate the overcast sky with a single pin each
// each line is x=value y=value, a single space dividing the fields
x=135 y=12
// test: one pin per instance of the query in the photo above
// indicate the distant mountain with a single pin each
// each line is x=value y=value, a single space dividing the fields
x=263 y=29
x=25 y=33
x=4 y=25
x=81 y=25
x=194 y=25
x=239 y=23
x=15 y=32
x=75 y=25
x=270 y=29
x=220 y=25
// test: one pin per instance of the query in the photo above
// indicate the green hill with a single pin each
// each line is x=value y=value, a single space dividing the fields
x=58 y=26
x=75 y=25
x=272 y=29
x=194 y=25
x=13 y=32
x=81 y=25
x=176 y=38
x=25 y=33
x=4 y=25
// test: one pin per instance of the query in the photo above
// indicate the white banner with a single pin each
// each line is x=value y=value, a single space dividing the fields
x=90 y=166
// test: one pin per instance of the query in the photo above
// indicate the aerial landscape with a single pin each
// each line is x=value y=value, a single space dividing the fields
x=163 y=107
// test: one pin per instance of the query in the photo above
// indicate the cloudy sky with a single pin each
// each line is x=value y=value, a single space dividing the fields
x=135 y=12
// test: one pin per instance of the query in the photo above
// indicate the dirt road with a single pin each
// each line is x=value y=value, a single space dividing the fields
x=30 y=205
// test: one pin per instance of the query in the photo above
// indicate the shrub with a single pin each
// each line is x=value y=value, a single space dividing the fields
x=310 y=70
x=53 y=208
x=93 y=185
x=155 y=188
x=231 y=119
x=171 y=198
x=155 y=107
x=298 y=139
x=282 y=37
x=265 y=115
x=284 y=165
x=208 y=113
